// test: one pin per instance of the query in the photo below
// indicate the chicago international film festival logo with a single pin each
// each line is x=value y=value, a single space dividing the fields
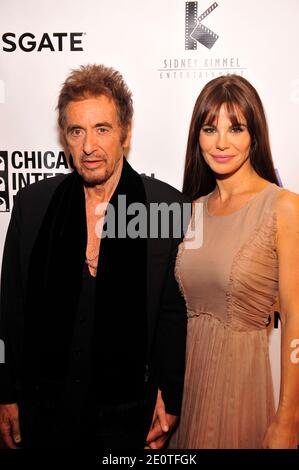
x=195 y=31
x=4 y=191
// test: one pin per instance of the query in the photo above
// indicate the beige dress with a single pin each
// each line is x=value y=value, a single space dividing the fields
x=230 y=285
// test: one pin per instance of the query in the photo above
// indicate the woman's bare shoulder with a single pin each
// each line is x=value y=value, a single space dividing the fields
x=287 y=204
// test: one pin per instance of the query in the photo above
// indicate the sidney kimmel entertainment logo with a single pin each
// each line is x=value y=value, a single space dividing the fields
x=198 y=62
x=195 y=31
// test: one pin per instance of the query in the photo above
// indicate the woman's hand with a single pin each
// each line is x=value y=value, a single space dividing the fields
x=281 y=436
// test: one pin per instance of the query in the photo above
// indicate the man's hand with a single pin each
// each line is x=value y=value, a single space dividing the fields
x=10 y=434
x=163 y=424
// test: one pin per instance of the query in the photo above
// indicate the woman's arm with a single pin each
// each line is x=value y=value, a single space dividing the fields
x=283 y=431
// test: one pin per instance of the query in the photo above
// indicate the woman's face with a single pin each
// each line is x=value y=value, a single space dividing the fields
x=225 y=147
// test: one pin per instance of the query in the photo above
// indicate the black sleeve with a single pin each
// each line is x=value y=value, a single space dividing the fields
x=11 y=308
x=171 y=340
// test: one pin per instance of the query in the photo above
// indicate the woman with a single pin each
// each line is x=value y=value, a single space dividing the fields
x=249 y=257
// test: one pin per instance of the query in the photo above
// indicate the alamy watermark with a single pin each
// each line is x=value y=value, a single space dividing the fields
x=295 y=354
x=2 y=352
x=155 y=220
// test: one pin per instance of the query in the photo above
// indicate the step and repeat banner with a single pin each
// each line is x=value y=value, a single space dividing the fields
x=166 y=50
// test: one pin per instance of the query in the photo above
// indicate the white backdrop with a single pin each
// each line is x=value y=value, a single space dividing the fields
x=145 y=40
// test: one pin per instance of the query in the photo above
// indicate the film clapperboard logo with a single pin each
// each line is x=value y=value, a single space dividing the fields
x=195 y=31
x=4 y=190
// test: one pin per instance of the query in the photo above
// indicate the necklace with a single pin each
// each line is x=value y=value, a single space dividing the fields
x=92 y=266
x=90 y=263
x=92 y=259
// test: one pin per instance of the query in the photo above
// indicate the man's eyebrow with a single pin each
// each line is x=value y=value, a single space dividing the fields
x=72 y=127
x=98 y=124
x=104 y=124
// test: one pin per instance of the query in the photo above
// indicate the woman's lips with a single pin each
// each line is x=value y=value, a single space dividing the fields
x=222 y=158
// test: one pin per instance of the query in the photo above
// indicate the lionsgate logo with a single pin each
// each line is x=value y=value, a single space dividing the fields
x=195 y=31
x=52 y=42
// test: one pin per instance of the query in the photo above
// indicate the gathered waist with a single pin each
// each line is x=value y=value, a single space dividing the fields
x=232 y=323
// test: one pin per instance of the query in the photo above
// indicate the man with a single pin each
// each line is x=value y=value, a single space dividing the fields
x=94 y=327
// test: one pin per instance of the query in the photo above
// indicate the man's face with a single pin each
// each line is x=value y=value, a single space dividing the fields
x=93 y=135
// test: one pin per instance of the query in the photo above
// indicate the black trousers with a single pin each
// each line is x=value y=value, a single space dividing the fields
x=44 y=425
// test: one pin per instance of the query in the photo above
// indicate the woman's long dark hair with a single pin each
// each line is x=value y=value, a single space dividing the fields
x=238 y=95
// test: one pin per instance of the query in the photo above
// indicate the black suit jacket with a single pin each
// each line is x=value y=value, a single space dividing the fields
x=166 y=313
